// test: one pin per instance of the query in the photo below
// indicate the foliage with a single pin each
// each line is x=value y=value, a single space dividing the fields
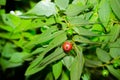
x=36 y=36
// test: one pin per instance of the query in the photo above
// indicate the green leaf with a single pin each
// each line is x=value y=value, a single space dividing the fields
x=81 y=39
x=13 y=23
x=6 y=27
x=8 y=50
x=104 y=12
x=64 y=76
x=115 y=30
x=94 y=18
x=57 y=69
x=7 y=64
x=77 y=65
x=49 y=76
x=45 y=7
x=28 y=35
x=75 y=9
x=93 y=2
x=18 y=57
x=83 y=31
x=67 y=61
x=38 y=64
x=2 y=11
x=116 y=63
x=86 y=76
x=82 y=2
x=7 y=20
x=50 y=20
x=27 y=24
x=38 y=50
x=15 y=19
x=23 y=26
x=62 y=4
x=31 y=69
x=115 y=52
x=97 y=28
x=77 y=21
x=44 y=37
x=11 y=20
x=2 y=2
x=88 y=15
x=114 y=72
x=92 y=63
x=75 y=69
x=10 y=35
x=36 y=23
x=56 y=55
x=115 y=4
x=54 y=43
x=21 y=41
x=116 y=44
x=103 y=55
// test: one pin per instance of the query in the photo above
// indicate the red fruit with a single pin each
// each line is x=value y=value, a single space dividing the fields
x=67 y=46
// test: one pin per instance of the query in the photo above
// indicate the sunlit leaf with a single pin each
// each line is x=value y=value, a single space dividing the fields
x=97 y=27
x=62 y=4
x=6 y=27
x=23 y=26
x=11 y=20
x=46 y=8
x=82 y=2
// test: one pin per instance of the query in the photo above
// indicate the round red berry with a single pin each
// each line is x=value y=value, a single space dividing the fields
x=67 y=46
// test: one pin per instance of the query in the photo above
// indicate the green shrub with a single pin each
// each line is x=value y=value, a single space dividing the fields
x=33 y=37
